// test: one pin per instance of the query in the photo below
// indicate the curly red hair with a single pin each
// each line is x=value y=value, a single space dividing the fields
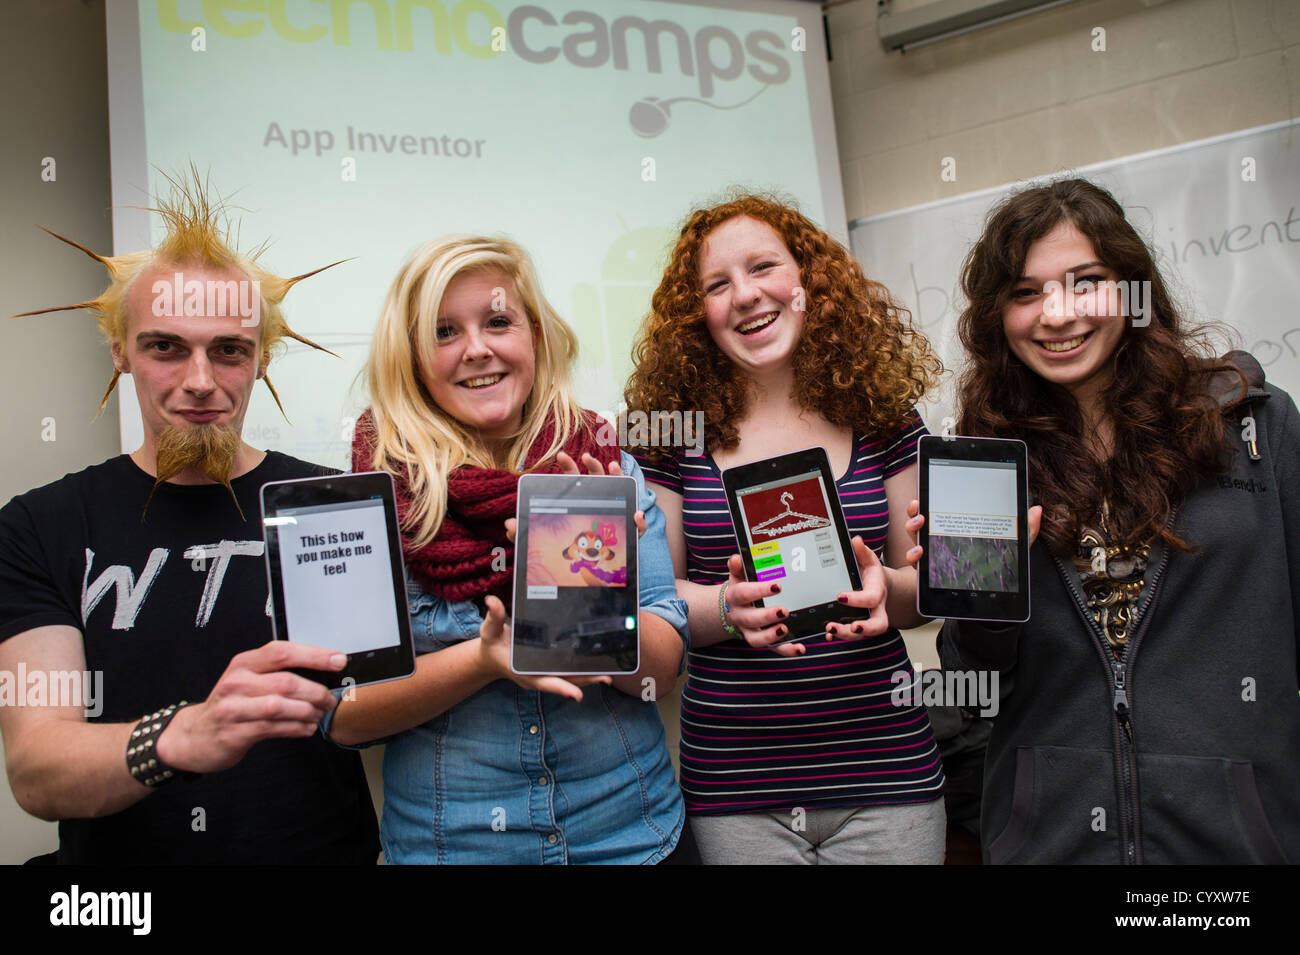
x=859 y=363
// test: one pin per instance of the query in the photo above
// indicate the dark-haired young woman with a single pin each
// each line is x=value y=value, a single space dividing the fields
x=766 y=324
x=1150 y=709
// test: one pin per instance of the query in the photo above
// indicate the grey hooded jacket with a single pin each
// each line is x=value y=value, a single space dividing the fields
x=1189 y=750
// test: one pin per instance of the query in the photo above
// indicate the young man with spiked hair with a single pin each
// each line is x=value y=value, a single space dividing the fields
x=144 y=575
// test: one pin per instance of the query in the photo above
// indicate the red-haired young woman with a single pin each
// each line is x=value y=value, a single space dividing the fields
x=796 y=753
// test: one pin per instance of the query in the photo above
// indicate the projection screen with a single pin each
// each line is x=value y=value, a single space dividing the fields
x=357 y=129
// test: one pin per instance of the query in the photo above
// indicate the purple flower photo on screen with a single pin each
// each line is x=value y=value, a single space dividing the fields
x=973 y=563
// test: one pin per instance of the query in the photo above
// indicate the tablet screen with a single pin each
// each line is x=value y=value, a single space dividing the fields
x=974 y=536
x=975 y=539
x=578 y=547
x=576 y=600
x=334 y=563
x=792 y=539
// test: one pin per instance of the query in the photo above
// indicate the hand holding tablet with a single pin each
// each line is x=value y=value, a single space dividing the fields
x=337 y=580
x=869 y=598
x=497 y=637
x=787 y=519
x=763 y=626
x=973 y=560
x=760 y=624
x=495 y=647
x=576 y=606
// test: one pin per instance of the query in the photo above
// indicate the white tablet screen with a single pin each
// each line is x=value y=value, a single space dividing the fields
x=338 y=581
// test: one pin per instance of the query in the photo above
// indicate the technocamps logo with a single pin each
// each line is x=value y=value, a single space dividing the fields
x=712 y=53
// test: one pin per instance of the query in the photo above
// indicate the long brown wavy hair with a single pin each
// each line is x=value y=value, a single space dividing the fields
x=859 y=362
x=1169 y=432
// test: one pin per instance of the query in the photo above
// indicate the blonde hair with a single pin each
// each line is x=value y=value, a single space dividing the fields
x=415 y=438
x=198 y=234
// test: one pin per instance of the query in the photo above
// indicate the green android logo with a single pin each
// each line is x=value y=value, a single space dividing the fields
x=606 y=317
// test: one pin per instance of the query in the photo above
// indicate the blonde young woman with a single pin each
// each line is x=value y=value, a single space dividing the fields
x=469 y=378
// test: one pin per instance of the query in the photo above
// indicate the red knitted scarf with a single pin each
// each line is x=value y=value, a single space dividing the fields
x=463 y=561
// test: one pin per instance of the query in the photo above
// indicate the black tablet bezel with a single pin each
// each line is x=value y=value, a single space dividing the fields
x=992 y=605
x=805 y=622
x=526 y=659
x=366 y=666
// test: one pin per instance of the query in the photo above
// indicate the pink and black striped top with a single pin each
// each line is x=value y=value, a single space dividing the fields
x=761 y=731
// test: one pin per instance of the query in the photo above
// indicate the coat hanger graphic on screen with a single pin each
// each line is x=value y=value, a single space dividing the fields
x=801 y=521
x=650 y=115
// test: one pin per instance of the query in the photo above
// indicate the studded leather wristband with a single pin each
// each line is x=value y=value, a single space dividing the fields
x=142 y=750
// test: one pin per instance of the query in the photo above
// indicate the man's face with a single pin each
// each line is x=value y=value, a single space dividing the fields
x=189 y=369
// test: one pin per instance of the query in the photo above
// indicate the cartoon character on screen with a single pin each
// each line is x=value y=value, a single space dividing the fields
x=198 y=242
x=588 y=550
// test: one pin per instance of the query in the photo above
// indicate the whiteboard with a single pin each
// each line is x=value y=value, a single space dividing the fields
x=1223 y=215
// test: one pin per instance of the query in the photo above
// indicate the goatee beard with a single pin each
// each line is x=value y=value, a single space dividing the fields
x=209 y=447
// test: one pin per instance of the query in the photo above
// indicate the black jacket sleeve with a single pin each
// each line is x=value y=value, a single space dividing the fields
x=974 y=645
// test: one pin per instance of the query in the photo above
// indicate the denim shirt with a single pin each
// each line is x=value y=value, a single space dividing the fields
x=521 y=777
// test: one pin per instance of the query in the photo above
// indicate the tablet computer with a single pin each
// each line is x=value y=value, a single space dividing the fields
x=974 y=495
x=787 y=518
x=334 y=563
x=576 y=601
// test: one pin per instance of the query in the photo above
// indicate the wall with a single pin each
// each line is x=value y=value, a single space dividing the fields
x=54 y=104
x=1032 y=97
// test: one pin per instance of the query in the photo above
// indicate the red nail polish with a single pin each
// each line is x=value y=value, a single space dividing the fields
x=776 y=589
x=780 y=631
x=843 y=598
x=780 y=615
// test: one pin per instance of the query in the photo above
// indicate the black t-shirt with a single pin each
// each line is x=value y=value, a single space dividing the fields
x=163 y=604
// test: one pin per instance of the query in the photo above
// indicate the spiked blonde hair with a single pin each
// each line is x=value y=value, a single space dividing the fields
x=198 y=234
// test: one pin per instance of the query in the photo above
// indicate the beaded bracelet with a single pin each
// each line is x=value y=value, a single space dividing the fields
x=141 y=753
x=723 y=610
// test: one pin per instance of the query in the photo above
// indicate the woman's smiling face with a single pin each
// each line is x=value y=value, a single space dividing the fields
x=482 y=370
x=1064 y=318
x=752 y=296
